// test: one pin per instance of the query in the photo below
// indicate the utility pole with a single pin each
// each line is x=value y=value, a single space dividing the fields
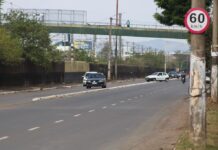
x=165 y=62
x=109 y=53
x=197 y=87
x=214 y=72
x=94 y=45
x=120 y=37
x=115 y=62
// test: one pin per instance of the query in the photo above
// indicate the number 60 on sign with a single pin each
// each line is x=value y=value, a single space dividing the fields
x=197 y=20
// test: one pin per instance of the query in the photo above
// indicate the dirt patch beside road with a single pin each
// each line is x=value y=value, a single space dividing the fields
x=166 y=131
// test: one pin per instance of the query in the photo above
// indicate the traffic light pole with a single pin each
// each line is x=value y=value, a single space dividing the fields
x=197 y=86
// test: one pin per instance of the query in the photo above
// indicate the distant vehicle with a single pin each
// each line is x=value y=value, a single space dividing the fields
x=85 y=76
x=94 y=79
x=157 y=76
x=173 y=74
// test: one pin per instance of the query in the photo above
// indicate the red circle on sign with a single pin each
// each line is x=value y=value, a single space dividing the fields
x=187 y=17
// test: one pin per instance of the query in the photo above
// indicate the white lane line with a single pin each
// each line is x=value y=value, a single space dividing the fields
x=135 y=97
x=113 y=104
x=129 y=99
x=58 y=121
x=122 y=101
x=77 y=115
x=83 y=92
x=104 y=107
x=34 y=128
x=4 y=138
x=91 y=110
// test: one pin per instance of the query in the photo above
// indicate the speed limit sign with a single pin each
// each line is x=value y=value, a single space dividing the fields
x=197 y=20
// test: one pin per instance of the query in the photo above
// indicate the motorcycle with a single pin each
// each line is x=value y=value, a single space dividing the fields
x=183 y=79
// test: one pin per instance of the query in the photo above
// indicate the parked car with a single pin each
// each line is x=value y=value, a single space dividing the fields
x=157 y=76
x=94 y=79
x=173 y=74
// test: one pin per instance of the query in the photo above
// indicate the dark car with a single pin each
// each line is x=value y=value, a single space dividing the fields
x=95 y=79
x=173 y=74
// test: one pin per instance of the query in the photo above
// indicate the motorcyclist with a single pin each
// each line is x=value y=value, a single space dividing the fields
x=183 y=76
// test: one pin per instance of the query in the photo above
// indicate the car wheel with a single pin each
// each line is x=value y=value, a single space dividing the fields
x=104 y=86
x=88 y=87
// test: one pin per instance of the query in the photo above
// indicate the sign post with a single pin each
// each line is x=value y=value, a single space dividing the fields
x=197 y=22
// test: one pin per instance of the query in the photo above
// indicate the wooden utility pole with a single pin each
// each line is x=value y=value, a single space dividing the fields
x=109 y=53
x=214 y=53
x=197 y=86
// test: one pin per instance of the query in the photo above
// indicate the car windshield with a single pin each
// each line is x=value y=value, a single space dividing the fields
x=95 y=75
x=155 y=73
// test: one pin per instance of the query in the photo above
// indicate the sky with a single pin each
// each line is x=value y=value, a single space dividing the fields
x=137 y=11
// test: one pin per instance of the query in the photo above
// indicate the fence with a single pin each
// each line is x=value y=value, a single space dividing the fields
x=27 y=74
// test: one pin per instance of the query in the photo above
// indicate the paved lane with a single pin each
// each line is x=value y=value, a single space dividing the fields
x=102 y=120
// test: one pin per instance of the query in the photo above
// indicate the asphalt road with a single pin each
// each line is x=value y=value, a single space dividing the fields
x=98 y=120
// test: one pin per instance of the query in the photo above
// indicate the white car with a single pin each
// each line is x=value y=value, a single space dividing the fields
x=157 y=76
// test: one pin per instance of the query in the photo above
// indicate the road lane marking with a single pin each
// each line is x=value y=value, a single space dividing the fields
x=129 y=99
x=77 y=115
x=113 y=104
x=122 y=101
x=135 y=97
x=34 y=128
x=4 y=138
x=84 y=92
x=58 y=121
x=104 y=107
x=91 y=110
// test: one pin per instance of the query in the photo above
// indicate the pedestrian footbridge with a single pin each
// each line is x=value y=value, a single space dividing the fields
x=134 y=30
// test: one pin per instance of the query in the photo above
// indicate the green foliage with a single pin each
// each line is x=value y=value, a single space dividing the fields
x=151 y=58
x=82 y=55
x=10 y=48
x=173 y=11
x=182 y=60
x=1 y=2
x=33 y=36
x=103 y=54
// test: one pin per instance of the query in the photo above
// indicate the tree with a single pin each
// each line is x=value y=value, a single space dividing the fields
x=10 y=48
x=173 y=11
x=33 y=36
x=82 y=55
x=103 y=54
